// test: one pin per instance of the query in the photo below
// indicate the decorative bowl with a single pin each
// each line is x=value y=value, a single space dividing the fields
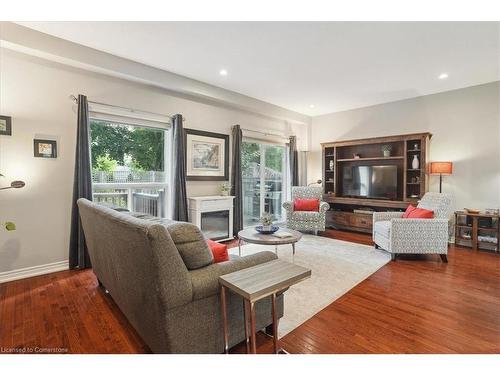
x=274 y=228
x=472 y=210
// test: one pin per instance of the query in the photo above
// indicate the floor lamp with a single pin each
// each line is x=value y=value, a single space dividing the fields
x=441 y=168
x=14 y=185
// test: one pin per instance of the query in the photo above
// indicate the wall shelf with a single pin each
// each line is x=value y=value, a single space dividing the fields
x=473 y=225
x=373 y=159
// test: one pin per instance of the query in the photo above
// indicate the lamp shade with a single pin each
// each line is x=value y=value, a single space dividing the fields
x=441 y=167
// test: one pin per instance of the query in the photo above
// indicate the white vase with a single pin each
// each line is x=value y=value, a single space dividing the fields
x=331 y=165
x=266 y=228
x=415 y=164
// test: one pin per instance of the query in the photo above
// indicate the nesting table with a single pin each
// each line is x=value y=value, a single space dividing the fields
x=250 y=235
x=254 y=284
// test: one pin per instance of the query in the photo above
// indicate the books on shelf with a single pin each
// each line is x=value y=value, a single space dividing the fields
x=489 y=239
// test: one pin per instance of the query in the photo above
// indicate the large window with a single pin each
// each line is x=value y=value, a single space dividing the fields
x=263 y=176
x=129 y=166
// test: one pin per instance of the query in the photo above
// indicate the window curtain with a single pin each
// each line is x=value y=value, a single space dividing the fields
x=179 y=196
x=294 y=161
x=236 y=183
x=82 y=187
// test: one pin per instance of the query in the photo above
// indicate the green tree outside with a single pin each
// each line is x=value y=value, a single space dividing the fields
x=250 y=153
x=117 y=144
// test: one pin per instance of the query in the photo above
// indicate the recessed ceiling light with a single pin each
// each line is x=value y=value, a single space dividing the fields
x=311 y=105
x=223 y=72
x=443 y=76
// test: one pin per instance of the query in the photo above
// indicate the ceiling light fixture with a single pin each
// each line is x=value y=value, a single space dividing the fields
x=311 y=105
x=443 y=76
x=223 y=72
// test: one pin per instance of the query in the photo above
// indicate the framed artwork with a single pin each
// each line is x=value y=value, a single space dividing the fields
x=5 y=125
x=207 y=155
x=44 y=148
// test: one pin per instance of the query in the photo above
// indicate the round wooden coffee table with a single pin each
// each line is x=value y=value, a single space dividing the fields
x=250 y=235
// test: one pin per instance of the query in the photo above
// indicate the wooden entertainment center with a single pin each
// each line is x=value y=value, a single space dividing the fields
x=340 y=159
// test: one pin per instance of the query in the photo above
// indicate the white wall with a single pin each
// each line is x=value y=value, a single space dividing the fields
x=35 y=93
x=465 y=125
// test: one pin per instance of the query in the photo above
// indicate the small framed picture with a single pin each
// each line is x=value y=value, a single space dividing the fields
x=5 y=125
x=45 y=148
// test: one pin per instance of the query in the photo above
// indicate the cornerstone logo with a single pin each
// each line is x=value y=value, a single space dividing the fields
x=32 y=350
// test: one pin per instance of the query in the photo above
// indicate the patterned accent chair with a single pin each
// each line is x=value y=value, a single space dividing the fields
x=415 y=236
x=306 y=220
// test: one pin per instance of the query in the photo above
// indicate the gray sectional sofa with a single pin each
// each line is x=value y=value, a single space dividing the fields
x=162 y=278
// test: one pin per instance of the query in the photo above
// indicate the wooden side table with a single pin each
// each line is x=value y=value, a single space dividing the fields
x=254 y=284
x=469 y=227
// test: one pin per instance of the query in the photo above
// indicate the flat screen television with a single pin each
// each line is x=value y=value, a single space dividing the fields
x=370 y=181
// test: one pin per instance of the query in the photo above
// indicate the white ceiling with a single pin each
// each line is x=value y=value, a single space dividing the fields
x=332 y=65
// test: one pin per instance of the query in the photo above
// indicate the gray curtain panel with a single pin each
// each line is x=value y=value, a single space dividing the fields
x=179 y=199
x=294 y=161
x=236 y=184
x=82 y=187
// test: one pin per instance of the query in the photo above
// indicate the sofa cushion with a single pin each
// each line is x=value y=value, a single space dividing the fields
x=383 y=228
x=155 y=219
x=205 y=280
x=219 y=251
x=305 y=215
x=306 y=205
x=191 y=245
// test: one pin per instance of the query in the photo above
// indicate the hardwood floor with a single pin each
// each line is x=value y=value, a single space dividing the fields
x=414 y=305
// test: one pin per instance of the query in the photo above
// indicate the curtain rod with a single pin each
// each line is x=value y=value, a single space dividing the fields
x=75 y=100
x=266 y=133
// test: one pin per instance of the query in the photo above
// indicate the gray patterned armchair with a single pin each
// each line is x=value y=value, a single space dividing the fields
x=415 y=236
x=306 y=220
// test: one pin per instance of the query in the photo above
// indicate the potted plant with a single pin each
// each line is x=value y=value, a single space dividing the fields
x=225 y=188
x=267 y=221
x=386 y=149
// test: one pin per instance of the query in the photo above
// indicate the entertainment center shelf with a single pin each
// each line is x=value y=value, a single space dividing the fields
x=372 y=159
x=376 y=174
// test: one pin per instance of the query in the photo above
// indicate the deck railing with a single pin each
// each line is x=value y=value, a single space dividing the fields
x=144 y=197
x=128 y=176
x=151 y=204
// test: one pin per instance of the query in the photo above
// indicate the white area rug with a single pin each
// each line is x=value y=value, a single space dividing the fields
x=337 y=266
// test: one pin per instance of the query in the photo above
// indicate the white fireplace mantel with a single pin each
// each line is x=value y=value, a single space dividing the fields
x=198 y=206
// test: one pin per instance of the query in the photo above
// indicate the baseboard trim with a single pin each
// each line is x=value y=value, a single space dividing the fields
x=24 y=273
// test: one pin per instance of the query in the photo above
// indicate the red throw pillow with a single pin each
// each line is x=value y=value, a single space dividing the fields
x=306 y=205
x=219 y=251
x=409 y=209
x=417 y=213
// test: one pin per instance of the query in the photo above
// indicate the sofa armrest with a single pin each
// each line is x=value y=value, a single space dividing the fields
x=288 y=206
x=323 y=207
x=385 y=216
x=426 y=235
x=205 y=281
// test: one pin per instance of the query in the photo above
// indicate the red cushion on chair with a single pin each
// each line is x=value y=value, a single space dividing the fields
x=417 y=213
x=306 y=205
x=219 y=251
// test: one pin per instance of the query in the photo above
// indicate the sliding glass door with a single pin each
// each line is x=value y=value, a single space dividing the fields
x=264 y=180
